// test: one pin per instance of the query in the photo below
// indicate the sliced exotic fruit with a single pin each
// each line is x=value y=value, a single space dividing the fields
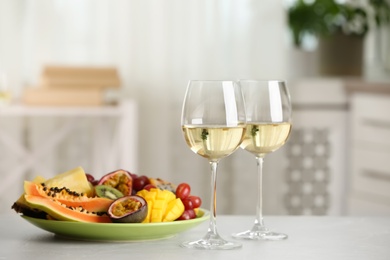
x=119 y=196
x=67 y=197
x=120 y=180
x=105 y=191
x=159 y=205
x=74 y=179
x=162 y=184
x=175 y=208
x=60 y=211
x=21 y=206
x=128 y=209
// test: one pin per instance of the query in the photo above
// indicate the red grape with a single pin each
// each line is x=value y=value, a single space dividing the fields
x=196 y=201
x=188 y=204
x=183 y=190
x=140 y=182
x=149 y=186
x=188 y=214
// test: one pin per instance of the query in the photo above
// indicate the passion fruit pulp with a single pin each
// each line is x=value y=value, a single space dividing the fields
x=128 y=209
x=120 y=180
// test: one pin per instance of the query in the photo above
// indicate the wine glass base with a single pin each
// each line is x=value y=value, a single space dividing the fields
x=212 y=244
x=260 y=235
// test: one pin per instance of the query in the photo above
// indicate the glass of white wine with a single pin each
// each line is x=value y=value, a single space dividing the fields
x=213 y=124
x=268 y=111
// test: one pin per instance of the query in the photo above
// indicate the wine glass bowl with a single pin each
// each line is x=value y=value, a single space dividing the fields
x=268 y=111
x=213 y=125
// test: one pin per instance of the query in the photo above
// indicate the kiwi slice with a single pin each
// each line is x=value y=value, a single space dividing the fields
x=105 y=191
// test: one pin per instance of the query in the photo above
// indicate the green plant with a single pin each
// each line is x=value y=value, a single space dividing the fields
x=326 y=17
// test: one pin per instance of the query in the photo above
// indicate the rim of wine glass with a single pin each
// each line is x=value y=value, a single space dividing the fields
x=212 y=80
x=263 y=80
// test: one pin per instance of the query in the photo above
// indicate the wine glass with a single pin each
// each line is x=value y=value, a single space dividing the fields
x=268 y=110
x=213 y=124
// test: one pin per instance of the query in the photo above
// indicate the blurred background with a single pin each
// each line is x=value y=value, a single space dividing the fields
x=126 y=112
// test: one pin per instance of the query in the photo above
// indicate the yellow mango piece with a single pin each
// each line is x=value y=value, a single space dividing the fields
x=150 y=206
x=151 y=195
x=174 y=210
x=158 y=204
x=197 y=211
x=142 y=193
x=165 y=195
x=156 y=215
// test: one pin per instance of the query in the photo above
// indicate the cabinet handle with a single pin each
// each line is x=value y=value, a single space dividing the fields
x=382 y=176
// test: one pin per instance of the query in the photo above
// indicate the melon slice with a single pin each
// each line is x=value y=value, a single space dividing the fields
x=74 y=179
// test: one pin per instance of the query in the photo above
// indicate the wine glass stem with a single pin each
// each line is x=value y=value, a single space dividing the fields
x=259 y=223
x=213 y=203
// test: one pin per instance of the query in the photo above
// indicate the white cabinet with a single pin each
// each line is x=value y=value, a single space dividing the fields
x=49 y=140
x=315 y=153
x=369 y=154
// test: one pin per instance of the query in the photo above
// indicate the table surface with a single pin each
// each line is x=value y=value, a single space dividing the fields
x=310 y=237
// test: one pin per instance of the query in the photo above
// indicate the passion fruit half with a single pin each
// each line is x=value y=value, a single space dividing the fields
x=128 y=209
x=120 y=180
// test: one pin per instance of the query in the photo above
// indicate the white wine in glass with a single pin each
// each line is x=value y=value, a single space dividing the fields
x=213 y=124
x=268 y=111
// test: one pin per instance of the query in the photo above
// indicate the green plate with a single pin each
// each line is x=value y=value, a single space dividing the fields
x=117 y=231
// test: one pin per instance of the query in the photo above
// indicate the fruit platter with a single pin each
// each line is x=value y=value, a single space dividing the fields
x=120 y=206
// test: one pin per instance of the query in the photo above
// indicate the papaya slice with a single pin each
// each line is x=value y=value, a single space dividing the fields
x=60 y=211
x=20 y=206
x=68 y=197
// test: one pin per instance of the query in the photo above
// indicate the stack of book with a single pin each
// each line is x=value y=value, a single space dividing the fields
x=72 y=86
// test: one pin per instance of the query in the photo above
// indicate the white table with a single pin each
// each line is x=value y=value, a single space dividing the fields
x=123 y=148
x=309 y=238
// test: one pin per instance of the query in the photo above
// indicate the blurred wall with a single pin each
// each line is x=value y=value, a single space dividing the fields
x=157 y=47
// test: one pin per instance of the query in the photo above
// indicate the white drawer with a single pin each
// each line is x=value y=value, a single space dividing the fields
x=371 y=173
x=370 y=119
x=365 y=204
